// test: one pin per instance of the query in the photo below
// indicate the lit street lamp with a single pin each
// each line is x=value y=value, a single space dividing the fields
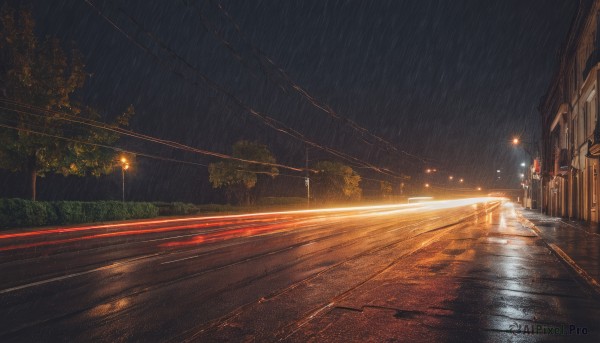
x=124 y=167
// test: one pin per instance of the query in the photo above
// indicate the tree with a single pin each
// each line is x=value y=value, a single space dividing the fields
x=239 y=177
x=386 y=189
x=335 y=181
x=39 y=79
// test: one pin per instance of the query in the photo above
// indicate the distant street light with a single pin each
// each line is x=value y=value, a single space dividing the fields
x=461 y=180
x=428 y=171
x=124 y=167
x=426 y=185
x=450 y=177
x=522 y=164
x=497 y=171
x=478 y=188
x=515 y=141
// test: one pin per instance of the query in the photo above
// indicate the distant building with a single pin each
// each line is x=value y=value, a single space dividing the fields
x=571 y=136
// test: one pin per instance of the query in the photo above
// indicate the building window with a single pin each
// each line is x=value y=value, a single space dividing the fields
x=586 y=119
x=594 y=182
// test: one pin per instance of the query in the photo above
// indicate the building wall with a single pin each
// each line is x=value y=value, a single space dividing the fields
x=569 y=111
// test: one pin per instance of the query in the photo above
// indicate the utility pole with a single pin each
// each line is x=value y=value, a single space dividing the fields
x=307 y=181
x=123 y=183
x=124 y=167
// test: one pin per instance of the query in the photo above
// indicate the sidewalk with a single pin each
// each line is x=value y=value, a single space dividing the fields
x=577 y=243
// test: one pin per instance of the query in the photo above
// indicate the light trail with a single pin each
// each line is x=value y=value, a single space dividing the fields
x=287 y=220
x=428 y=204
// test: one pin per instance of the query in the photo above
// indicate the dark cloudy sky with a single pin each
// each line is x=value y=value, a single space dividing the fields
x=448 y=81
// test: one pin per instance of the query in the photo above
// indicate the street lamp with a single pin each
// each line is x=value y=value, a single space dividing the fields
x=461 y=180
x=124 y=167
x=426 y=185
x=516 y=142
x=450 y=177
x=479 y=188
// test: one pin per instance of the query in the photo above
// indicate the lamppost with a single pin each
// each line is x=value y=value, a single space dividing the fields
x=124 y=167
x=517 y=143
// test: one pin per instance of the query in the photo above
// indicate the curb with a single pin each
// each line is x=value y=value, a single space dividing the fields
x=560 y=254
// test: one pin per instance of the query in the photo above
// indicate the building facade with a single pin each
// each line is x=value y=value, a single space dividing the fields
x=570 y=146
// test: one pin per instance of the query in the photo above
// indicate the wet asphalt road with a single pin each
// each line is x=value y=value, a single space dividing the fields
x=446 y=271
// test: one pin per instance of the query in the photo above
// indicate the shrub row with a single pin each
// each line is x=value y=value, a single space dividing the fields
x=20 y=212
x=175 y=208
x=282 y=201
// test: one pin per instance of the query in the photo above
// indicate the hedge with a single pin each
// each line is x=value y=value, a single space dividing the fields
x=20 y=212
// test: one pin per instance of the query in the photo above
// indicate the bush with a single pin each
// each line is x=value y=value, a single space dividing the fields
x=282 y=201
x=176 y=208
x=19 y=212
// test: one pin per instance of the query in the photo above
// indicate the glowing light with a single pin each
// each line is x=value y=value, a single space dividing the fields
x=215 y=228
x=428 y=171
x=515 y=141
x=450 y=177
x=123 y=160
x=522 y=164
x=426 y=185
x=126 y=166
x=478 y=188
x=461 y=180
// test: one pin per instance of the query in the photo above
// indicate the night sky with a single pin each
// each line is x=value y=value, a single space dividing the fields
x=448 y=81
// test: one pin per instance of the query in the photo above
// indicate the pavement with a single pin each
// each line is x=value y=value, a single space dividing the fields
x=464 y=271
x=496 y=281
x=576 y=243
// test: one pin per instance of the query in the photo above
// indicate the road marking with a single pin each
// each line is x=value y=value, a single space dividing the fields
x=69 y=276
x=183 y=259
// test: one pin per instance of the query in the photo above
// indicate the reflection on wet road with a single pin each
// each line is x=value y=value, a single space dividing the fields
x=333 y=274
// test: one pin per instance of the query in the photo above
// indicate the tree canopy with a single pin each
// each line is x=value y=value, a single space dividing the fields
x=336 y=182
x=38 y=134
x=239 y=177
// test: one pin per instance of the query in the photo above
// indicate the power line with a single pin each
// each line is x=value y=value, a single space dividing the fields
x=304 y=93
x=143 y=154
x=270 y=122
x=118 y=130
x=137 y=153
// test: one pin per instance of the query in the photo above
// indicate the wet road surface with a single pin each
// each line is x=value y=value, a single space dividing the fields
x=443 y=271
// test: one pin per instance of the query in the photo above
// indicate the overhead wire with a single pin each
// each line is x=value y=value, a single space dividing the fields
x=269 y=121
x=261 y=56
x=122 y=131
x=143 y=154
x=136 y=153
